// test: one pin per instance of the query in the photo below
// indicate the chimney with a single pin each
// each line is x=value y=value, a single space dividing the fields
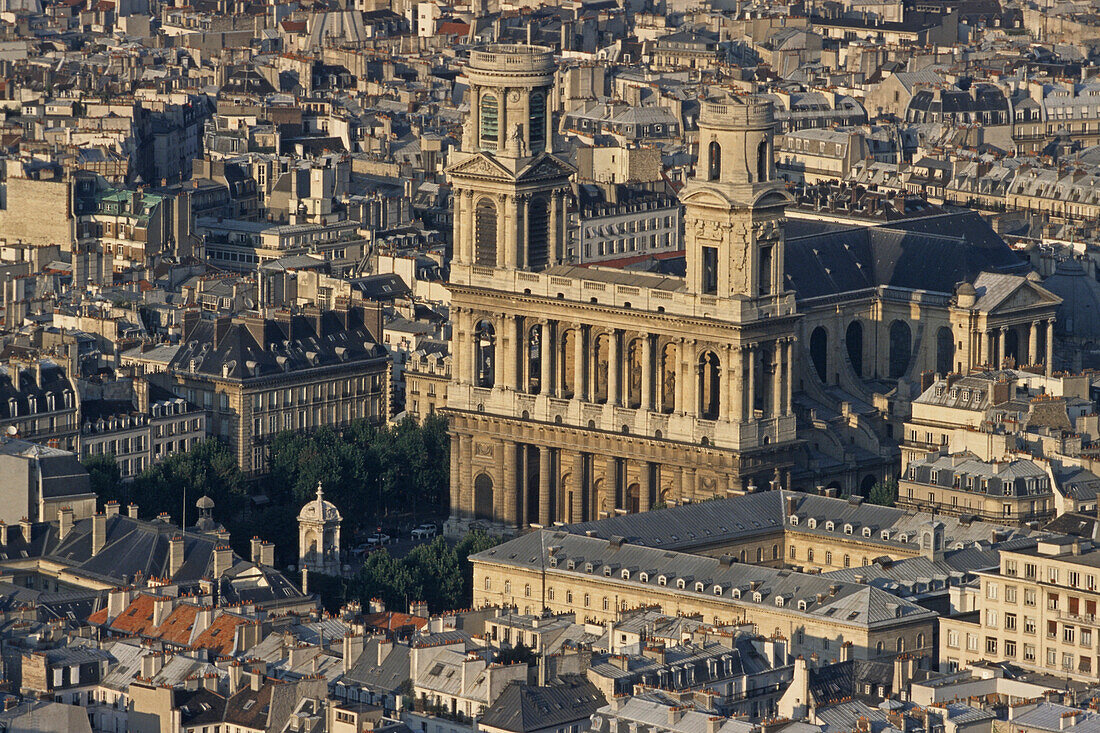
x=203 y=619
x=674 y=715
x=385 y=646
x=714 y=723
x=25 y=529
x=3 y=533
x=132 y=511
x=111 y=509
x=64 y=521
x=235 y=672
x=353 y=647
x=99 y=532
x=151 y=664
x=790 y=506
x=419 y=609
x=255 y=680
x=117 y=600
x=267 y=554
x=255 y=544
x=223 y=560
x=175 y=555
x=162 y=609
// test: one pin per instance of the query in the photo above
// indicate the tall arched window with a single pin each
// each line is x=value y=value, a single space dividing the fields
x=714 y=161
x=709 y=385
x=490 y=120
x=819 y=353
x=853 y=339
x=537 y=104
x=484 y=354
x=901 y=348
x=485 y=226
x=945 y=350
x=763 y=164
x=483 y=497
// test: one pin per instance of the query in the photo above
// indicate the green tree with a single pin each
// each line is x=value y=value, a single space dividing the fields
x=383 y=576
x=437 y=575
x=105 y=480
x=884 y=493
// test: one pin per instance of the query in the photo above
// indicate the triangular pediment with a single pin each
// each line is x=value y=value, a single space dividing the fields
x=705 y=197
x=1025 y=295
x=480 y=165
x=545 y=167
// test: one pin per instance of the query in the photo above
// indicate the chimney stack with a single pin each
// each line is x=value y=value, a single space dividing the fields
x=175 y=555
x=256 y=546
x=223 y=560
x=99 y=532
x=132 y=511
x=111 y=509
x=64 y=521
x=267 y=554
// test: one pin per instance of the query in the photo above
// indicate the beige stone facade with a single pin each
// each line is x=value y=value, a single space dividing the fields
x=1038 y=610
x=580 y=393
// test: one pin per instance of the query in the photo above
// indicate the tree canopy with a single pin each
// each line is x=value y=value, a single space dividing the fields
x=884 y=493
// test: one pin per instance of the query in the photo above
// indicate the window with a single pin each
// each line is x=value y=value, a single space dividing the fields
x=953 y=639
x=1029 y=625
x=991 y=591
x=1029 y=652
x=1086 y=637
x=1052 y=601
x=1010 y=594
x=991 y=618
x=527 y=591
x=1052 y=574
x=1010 y=622
x=1029 y=597
x=1010 y=648
x=972 y=642
x=1069 y=634
x=991 y=645
x=828 y=557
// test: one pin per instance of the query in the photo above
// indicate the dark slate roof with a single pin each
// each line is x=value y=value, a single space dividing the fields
x=251 y=348
x=522 y=707
x=21 y=384
x=926 y=253
x=1079 y=313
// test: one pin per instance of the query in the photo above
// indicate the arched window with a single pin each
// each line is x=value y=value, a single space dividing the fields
x=667 y=388
x=901 y=348
x=484 y=354
x=483 y=497
x=901 y=644
x=714 y=161
x=763 y=162
x=490 y=121
x=945 y=350
x=485 y=231
x=538 y=232
x=853 y=339
x=537 y=106
x=819 y=353
x=709 y=385
x=533 y=358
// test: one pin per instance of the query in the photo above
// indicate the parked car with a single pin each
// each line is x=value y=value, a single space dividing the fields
x=378 y=539
x=424 y=532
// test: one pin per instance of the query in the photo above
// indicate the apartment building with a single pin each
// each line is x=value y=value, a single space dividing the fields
x=258 y=376
x=612 y=222
x=1010 y=491
x=1038 y=609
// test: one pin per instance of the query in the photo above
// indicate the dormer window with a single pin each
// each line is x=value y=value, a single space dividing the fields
x=802 y=605
x=626 y=574
x=662 y=580
x=779 y=601
x=903 y=537
x=811 y=523
x=885 y=534
x=794 y=519
x=643 y=577
x=717 y=590
x=830 y=525
x=736 y=593
x=680 y=583
x=866 y=531
x=757 y=596
x=847 y=529
x=699 y=587
x=607 y=571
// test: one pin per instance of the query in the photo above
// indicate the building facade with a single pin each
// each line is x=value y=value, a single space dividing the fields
x=583 y=393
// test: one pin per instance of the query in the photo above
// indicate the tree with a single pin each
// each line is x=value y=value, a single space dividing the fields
x=105 y=480
x=883 y=493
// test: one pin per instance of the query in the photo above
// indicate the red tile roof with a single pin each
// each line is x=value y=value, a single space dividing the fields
x=176 y=629
x=136 y=619
x=392 y=621
x=452 y=28
x=219 y=636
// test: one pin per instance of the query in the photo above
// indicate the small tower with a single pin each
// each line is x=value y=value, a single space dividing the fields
x=319 y=536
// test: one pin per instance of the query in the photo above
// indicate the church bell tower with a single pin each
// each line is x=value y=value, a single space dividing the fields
x=509 y=188
x=733 y=207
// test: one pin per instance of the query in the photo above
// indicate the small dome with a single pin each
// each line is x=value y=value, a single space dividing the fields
x=319 y=510
x=205 y=502
x=966 y=289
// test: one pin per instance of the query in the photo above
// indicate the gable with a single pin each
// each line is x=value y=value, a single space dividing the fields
x=545 y=167
x=480 y=165
x=1028 y=295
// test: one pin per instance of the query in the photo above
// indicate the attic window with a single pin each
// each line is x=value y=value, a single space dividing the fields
x=802 y=605
x=830 y=526
x=662 y=580
x=717 y=590
x=699 y=587
x=626 y=574
x=847 y=529
x=680 y=583
x=811 y=523
x=644 y=577
x=794 y=519
x=866 y=531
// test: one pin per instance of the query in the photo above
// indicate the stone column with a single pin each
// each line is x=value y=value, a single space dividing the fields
x=553 y=230
x=790 y=374
x=737 y=385
x=456 y=479
x=506 y=255
x=505 y=353
x=750 y=376
x=613 y=365
x=524 y=482
x=577 y=476
x=725 y=384
x=610 y=484
x=659 y=378
x=647 y=372
x=458 y=242
x=645 y=488
x=546 y=387
x=1033 y=343
x=501 y=492
x=1002 y=339
x=511 y=488
x=691 y=378
x=545 y=464
x=466 y=487
x=777 y=379
x=579 y=392
x=523 y=253
x=1050 y=347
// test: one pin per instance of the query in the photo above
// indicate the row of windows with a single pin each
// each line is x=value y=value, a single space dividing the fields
x=330 y=415
x=1053 y=575
x=292 y=396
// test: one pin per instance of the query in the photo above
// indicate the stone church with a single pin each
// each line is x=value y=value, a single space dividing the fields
x=770 y=360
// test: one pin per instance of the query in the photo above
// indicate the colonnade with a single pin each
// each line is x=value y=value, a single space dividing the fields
x=624 y=368
x=504 y=239
x=992 y=344
x=517 y=484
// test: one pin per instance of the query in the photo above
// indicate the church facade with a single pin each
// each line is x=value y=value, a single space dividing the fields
x=581 y=393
